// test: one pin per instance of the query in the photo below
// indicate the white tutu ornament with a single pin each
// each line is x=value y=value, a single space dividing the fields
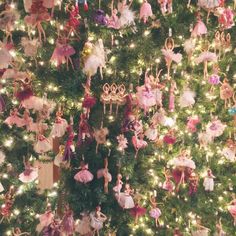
x=59 y=127
x=126 y=15
x=187 y=98
x=43 y=144
x=97 y=59
x=30 y=173
x=83 y=226
x=5 y=56
x=208 y=182
x=151 y=133
x=215 y=128
x=125 y=200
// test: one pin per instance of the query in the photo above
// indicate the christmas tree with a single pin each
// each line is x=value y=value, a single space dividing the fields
x=117 y=118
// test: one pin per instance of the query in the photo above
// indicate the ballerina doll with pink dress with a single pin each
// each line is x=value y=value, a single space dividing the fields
x=169 y=54
x=84 y=175
x=145 y=95
x=206 y=57
x=5 y=56
x=166 y=6
x=226 y=92
x=62 y=53
x=38 y=14
x=60 y=125
x=145 y=11
x=45 y=219
x=232 y=209
x=30 y=173
x=200 y=28
x=215 y=127
x=151 y=132
x=89 y=100
x=73 y=22
x=138 y=142
x=187 y=98
x=214 y=78
x=155 y=212
x=68 y=223
x=14 y=119
x=168 y=185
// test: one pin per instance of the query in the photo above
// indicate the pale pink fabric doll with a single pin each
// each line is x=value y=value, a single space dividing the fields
x=62 y=53
x=170 y=55
x=8 y=18
x=127 y=16
x=206 y=57
x=42 y=144
x=45 y=219
x=14 y=119
x=30 y=173
x=187 y=98
x=126 y=200
x=151 y=132
x=145 y=96
x=200 y=28
x=5 y=56
x=166 y=6
x=84 y=175
x=215 y=128
x=118 y=187
x=30 y=46
x=122 y=143
x=208 y=182
x=27 y=120
x=192 y=122
x=113 y=20
x=168 y=185
x=173 y=88
x=60 y=126
x=138 y=143
x=145 y=11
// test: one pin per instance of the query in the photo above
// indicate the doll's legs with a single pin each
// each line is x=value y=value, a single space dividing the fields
x=205 y=70
x=41 y=32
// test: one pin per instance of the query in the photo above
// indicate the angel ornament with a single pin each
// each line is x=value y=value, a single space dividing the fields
x=97 y=220
x=226 y=92
x=100 y=136
x=105 y=174
x=170 y=55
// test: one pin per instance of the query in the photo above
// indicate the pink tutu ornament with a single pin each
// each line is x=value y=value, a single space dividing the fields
x=145 y=11
x=14 y=119
x=138 y=143
x=43 y=144
x=192 y=122
x=200 y=28
x=113 y=20
x=5 y=56
x=68 y=223
x=97 y=220
x=45 y=219
x=122 y=143
x=137 y=212
x=226 y=18
x=168 y=185
x=155 y=212
x=215 y=128
x=59 y=127
x=187 y=98
x=84 y=175
x=30 y=173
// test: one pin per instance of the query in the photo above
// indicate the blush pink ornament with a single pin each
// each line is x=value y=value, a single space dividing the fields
x=200 y=28
x=84 y=175
x=145 y=11
x=192 y=122
x=138 y=143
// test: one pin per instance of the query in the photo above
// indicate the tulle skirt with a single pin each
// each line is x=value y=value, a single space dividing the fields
x=151 y=134
x=187 y=99
x=145 y=10
x=168 y=186
x=95 y=222
x=126 y=201
x=14 y=120
x=35 y=103
x=137 y=211
x=66 y=50
x=84 y=176
x=59 y=129
x=145 y=98
x=89 y=101
x=83 y=227
x=171 y=56
x=126 y=18
x=215 y=128
x=206 y=56
x=199 y=29
x=43 y=146
x=92 y=64
x=214 y=79
x=155 y=213
x=45 y=220
x=28 y=178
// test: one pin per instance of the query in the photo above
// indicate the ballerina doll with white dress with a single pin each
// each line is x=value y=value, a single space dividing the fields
x=126 y=200
x=208 y=182
x=229 y=151
x=117 y=188
x=30 y=173
x=127 y=16
x=97 y=220
x=169 y=54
